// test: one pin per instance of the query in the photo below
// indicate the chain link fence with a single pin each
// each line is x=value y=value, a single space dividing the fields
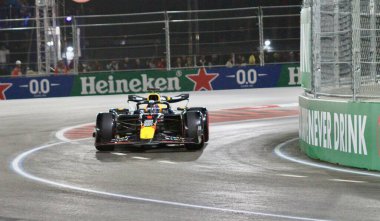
x=345 y=48
x=156 y=40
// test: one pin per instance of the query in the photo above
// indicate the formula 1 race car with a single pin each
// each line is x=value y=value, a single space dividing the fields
x=152 y=123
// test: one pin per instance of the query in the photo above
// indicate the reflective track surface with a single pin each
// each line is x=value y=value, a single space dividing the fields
x=50 y=170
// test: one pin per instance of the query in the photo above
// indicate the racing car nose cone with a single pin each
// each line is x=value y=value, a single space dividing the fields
x=147 y=133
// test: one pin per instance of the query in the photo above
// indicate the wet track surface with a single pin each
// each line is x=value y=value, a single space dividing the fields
x=236 y=176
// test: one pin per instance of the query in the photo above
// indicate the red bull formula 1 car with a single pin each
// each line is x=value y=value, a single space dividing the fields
x=152 y=122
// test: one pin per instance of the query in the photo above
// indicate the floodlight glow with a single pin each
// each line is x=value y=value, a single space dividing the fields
x=267 y=42
x=69 y=18
x=69 y=53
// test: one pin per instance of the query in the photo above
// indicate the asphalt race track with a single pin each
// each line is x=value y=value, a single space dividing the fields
x=237 y=176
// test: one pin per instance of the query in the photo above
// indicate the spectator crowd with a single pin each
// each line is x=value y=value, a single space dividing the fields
x=65 y=67
x=187 y=61
x=15 y=57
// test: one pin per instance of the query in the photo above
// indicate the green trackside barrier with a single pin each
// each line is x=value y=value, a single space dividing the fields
x=341 y=132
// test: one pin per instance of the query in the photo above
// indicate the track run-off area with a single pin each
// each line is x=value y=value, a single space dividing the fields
x=251 y=169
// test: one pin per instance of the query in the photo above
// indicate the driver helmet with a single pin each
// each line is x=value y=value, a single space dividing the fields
x=156 y=109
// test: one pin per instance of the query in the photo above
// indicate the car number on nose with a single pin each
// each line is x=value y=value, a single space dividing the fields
x=148 y=123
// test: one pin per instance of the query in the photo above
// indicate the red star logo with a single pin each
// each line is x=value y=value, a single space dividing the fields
x=3 y=88
x=202 y=80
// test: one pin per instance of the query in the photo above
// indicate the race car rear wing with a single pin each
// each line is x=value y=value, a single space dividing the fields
x=136 y=98
x=174 y=99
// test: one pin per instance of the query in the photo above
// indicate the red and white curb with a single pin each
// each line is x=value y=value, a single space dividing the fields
x=84 y=131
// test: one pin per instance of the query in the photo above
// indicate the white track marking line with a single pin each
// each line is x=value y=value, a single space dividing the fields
x=119 y=154
x=18 y=168
x=292 y=175
x=250 y=191
x=288 y=105
x=348 y=181
x=141 y=158
x=278 y=152
x=167 y=162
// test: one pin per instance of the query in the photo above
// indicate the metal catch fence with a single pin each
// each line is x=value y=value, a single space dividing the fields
x=345 y=45
x=154 y=40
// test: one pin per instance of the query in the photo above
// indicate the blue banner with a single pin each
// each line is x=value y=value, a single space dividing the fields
x=35 y=87
x=222 y=78
x=245 y=77
x=195 y=79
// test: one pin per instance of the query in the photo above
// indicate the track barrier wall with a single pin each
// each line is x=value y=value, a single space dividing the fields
x=340 y=109
x=341 y=132
x=196 y=79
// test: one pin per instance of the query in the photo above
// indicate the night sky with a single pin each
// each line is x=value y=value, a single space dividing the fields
x=93 y=7
x=135 y=6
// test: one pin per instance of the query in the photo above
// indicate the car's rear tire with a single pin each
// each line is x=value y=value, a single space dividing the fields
x=105 y=126
x=194 y=124
x=205 y=125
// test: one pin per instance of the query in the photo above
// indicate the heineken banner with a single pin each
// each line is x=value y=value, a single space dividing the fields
x=188 y=79
x=125 y=82
x=342 y=132
x=131 y=82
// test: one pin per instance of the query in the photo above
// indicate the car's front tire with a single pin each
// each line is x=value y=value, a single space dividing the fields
x=205 y=121
x=104 y=134
x=194 y=124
